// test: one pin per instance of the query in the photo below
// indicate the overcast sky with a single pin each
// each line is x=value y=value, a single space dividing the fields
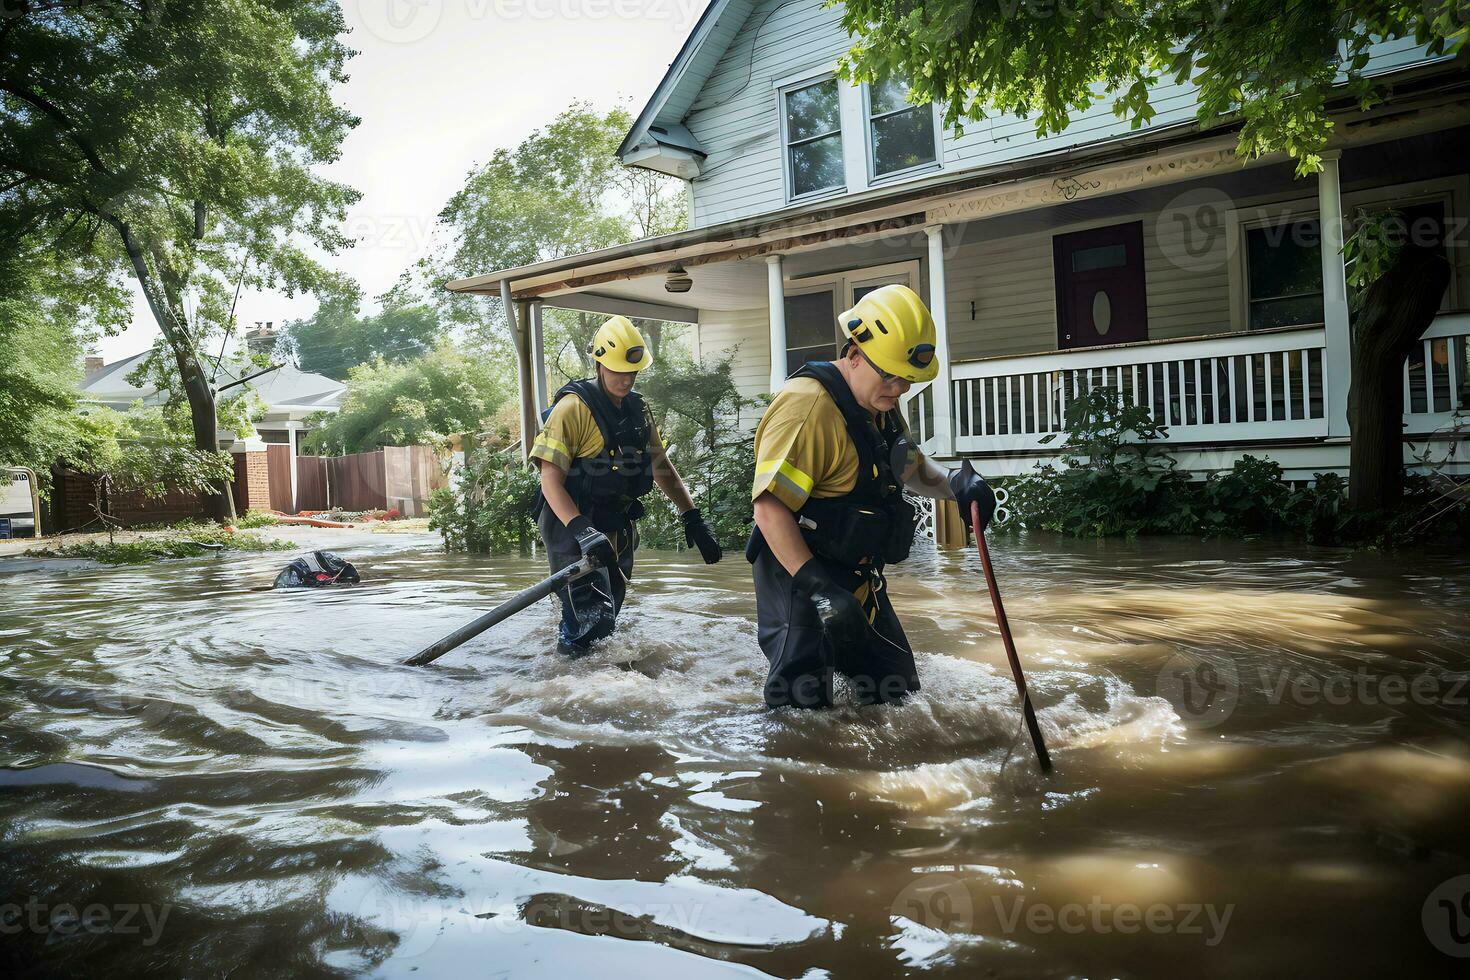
x=439 y=85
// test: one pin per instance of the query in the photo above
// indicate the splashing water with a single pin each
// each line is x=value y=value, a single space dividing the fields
x=196 y=776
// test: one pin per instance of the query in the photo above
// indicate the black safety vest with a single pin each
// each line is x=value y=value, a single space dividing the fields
x=615 y=478
x=871 y=524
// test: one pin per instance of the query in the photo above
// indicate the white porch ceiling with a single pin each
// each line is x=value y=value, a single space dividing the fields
x=738 y=285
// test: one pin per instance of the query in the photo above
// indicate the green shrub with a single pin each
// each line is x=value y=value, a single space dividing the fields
x=1114 y=478
x=256 y=518
x=489 y=511
x=184 y=540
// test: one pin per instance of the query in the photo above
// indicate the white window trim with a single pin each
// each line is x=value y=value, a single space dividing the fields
x=842 y=285
x=806 y=81
x=874 y=178
x=1454 y=191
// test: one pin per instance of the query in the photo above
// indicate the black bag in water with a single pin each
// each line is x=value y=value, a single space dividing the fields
x=315 y=570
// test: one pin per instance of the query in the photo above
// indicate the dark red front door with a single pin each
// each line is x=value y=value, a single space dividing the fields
x=1100 y=286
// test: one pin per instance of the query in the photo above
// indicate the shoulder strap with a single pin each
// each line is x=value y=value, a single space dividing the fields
x=598 y=404
x=871 y=445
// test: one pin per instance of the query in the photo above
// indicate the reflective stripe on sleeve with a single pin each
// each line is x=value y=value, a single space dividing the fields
x=783 y=470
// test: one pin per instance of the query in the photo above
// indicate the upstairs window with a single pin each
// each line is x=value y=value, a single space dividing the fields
x=812 y=122
x=900 y=135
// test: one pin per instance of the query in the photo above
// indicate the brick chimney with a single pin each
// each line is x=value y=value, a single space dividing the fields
x=94 y=364
x=261 y=340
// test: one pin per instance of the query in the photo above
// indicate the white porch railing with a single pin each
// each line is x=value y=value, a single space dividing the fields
x=1265 y=384
x=1437 y=376
x=1268 y=384
x=917 y=408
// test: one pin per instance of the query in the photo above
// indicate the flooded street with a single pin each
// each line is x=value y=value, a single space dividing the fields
x=1262 y=768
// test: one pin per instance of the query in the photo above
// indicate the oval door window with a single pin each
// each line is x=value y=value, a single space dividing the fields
x=1102 y=312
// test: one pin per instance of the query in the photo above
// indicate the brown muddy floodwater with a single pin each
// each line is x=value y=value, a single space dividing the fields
x=1262 y=752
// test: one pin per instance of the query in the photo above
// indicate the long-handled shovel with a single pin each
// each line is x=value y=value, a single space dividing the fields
x=1005 y=633
x=500 y=613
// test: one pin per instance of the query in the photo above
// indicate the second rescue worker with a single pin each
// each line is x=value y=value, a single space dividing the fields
x=832 y=458
x=598 y=452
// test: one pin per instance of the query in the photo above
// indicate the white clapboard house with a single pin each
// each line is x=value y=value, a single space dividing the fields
x=1155 y=259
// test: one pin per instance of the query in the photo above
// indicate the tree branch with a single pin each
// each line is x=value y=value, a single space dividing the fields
x=25 y=95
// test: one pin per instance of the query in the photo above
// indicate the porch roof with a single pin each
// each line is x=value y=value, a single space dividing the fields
x=894 y=209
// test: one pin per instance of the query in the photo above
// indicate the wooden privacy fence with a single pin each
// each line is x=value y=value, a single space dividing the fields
x=396 y=477
x=278 y=473
x=311 y=483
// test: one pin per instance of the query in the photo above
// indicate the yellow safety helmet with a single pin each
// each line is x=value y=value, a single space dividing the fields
x=618 y=346
x=893 y=327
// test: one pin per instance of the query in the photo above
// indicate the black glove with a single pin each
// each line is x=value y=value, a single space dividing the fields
x=594 y=543
x=842 y=615
x=698 y=535
x=970 y=488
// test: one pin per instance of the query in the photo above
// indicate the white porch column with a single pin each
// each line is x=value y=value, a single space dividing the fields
x=293 y=433
x=538 y=358
x=1338 y=374
x=523 y=370
x=776 y=286
x=939 y=307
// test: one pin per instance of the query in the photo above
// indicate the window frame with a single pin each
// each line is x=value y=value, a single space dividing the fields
x=1293 y=218
x=870 y=157
x=797 y=85
x=1452 y=191
x=841 y=284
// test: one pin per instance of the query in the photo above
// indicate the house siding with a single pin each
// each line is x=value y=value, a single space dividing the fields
x=744 y=336
x=734 y=115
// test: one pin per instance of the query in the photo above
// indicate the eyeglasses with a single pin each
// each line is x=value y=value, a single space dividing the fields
x=883 y=375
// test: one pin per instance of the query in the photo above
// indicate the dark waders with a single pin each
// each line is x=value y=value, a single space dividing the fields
x=802 y=662
x=590 y=604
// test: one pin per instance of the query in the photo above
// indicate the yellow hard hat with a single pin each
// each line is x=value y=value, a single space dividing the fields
x=618 y=346
x=892 y=326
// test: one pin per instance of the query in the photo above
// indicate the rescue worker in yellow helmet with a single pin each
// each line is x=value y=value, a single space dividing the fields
x=833 y=457
x=598 y=452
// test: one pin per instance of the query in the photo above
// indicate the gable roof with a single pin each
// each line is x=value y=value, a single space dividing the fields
x=282 y=389
x=661 y=121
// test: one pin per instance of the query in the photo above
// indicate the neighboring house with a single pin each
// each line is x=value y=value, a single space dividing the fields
x=290 y=396
x=1210 y=287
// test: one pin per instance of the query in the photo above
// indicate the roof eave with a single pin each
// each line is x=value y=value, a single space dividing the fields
x=692 y=43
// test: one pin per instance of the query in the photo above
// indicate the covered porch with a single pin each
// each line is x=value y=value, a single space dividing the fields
x=1209 y=289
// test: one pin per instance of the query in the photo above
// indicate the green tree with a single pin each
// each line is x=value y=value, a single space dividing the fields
x=178 y=141
x=560 y=192
x=1267 y=64
x=423 y=402
x=44 y=305
x=337 y=337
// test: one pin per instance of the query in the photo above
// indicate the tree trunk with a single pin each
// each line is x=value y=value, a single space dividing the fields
x=191 y=375
x=1396 y=311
